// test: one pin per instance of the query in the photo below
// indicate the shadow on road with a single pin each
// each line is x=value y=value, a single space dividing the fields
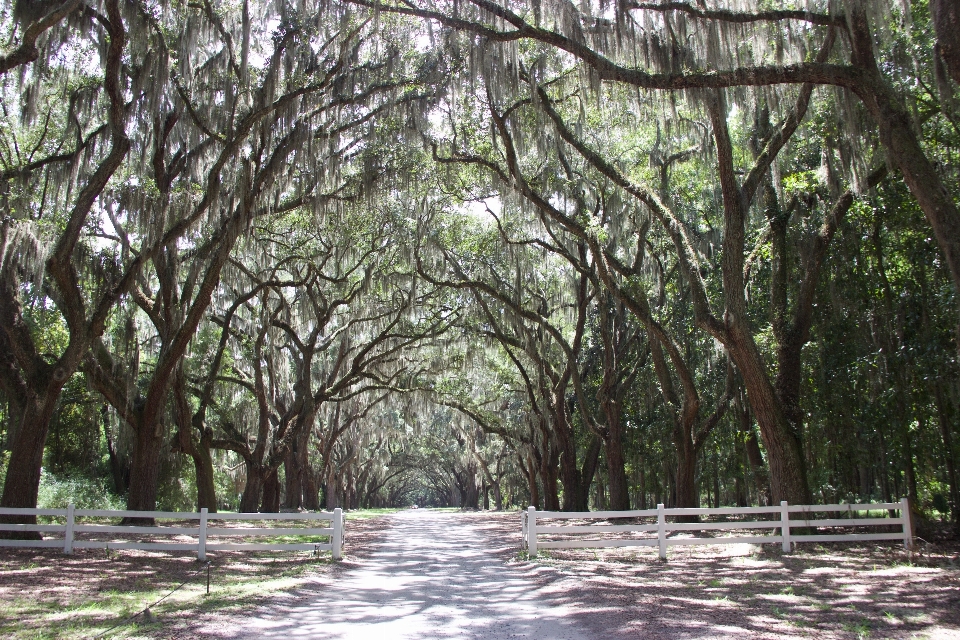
x=432 y=576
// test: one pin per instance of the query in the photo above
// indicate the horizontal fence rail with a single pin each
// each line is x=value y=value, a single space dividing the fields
x=202 y=531
x=783 y=519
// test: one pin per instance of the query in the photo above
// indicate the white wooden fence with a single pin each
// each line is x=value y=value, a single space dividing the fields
x=801 y=518
x=202 y=531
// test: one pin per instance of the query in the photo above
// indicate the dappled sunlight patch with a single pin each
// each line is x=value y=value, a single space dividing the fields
x=86 y=593
x=822 y=591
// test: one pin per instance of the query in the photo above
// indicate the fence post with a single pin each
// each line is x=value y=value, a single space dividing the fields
x=202 y=542
x=523 y=530
x=906 y=517
x=336 y=542
x=662 y=531
x=532 y=532
x=68 y=531
x=785 y=527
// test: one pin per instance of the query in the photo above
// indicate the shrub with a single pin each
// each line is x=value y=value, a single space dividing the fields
x=56 y=492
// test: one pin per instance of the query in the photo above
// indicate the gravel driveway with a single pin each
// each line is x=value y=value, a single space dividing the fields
x=432 y=575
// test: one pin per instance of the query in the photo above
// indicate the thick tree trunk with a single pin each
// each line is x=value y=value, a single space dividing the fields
x=946 y=23
x=548 y=474
x=271 y=492
x=591 y=459
x=569 y=469
x=252 y=490
x=530 y=472
x=311 y=490
x=296 y=464
x=469 y=492
x=22 y=483
x=145 y=471
x=199 y=451
x=203 y=464
x=293 y=489
x=788 y=479
x=616 y=465
x=332 y=493
x=570 y=479
x=15 y=409
x=788 y=471
x=687 y=494
x=576 y=485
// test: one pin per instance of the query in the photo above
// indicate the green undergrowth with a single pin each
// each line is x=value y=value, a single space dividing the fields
x=56 y=492
x=360 y=514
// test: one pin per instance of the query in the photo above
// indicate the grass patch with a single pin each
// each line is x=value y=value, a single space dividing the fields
x=362 y=514
x=861 y=628
x=236 y=584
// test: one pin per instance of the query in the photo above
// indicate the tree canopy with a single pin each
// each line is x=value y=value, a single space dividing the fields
x=484 y=252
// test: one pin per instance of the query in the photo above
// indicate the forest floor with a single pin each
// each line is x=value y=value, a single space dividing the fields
x=837 y=591
x=445 y=569
x=46 y=594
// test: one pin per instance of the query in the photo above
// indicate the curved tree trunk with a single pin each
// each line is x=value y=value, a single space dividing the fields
x=199 y=451
x=788 y=479
x=898 y=135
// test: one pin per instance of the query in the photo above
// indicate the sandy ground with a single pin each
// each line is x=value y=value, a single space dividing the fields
x=460 y=575
x=46 y=594
x=431 y=576
x=428 y=574
x=748 y=591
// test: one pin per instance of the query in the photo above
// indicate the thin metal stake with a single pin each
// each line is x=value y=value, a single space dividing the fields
x=208 y=578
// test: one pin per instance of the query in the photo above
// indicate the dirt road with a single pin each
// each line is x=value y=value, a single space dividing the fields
x=432 y=575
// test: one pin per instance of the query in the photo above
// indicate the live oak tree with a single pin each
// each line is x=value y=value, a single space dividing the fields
x=643 y=45
x=69 y=142
x=365 y=252
x=677 y=47
x=317 y=88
